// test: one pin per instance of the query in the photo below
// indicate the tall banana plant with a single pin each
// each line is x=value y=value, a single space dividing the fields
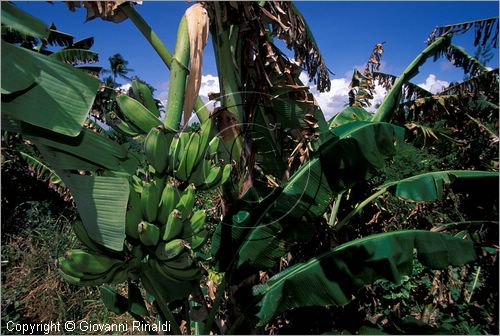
x=269 y=149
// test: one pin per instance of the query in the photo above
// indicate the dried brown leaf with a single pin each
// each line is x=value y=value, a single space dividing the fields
x=198 y=22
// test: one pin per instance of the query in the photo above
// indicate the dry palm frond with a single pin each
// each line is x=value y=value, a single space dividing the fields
x=46 y=174
x=362 y=85
x=461 y=59
x=290 y=26
x=411 y=91
x=198 y=23
x=476 y=85
x=486 y=31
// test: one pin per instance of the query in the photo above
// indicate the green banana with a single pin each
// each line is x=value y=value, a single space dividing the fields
x=124 y=128
x=136 y=183
x=78 y=281
x=213 y=177
x=197 y=221
x=90 y=263
x=72 y=269
x=197 y=240
x=173 y=153
x=149 y=234
x=134 y=214
x=174 y=226
x=200 y=173
x=188 y=274
x=143 y=94
x=137 y=114
x=188 y=160
x=213 y=146
x=182 y=261
x=137 y=251
x=155 y=265
x=218 y=177
x=171 y=249
x=186 y=202
x=150 y=198
x=169 y=199
x=156 y=147
x=117 y=275
x=180 y=171
x=205 y=133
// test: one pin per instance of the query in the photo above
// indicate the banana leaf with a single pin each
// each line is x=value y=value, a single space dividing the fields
x=18 y=20
x=102 y=205
x=375 y=141
x=113 y=301
x=87 y=151
x=332 y=278
x=354 y=155
x=461 y=59
x=349 y=114
x=475 y=85
x=483 y=31
x=45 y=92
x=85 y=44
x=429 y=187
x=75 y=56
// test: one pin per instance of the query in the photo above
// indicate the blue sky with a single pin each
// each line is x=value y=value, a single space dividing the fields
x=345 y=32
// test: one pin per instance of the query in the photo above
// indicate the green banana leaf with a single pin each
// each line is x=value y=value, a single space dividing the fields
x=375 y=140
x=354 y=155
x=351 y=113
x=75 y=56
x=84 y=44
x=102 y=204
x=429 y=187
x=113 y=301
x=332 y=278
x=44 y=92
x=87 y=151
x=135 y=301
x=65 y=161
x=18 y=20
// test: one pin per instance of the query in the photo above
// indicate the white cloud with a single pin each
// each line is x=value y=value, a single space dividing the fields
x=125 y=87
x=209 y=83
x=433 y=85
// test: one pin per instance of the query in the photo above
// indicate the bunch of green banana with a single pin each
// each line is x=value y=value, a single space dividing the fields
x=156 y=147
x=87 y=269
x=208 y=173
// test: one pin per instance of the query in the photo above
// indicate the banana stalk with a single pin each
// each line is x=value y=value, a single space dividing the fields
x=162 y=51
x=178 y=74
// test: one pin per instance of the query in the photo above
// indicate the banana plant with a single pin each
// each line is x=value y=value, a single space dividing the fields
x=277 y=162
